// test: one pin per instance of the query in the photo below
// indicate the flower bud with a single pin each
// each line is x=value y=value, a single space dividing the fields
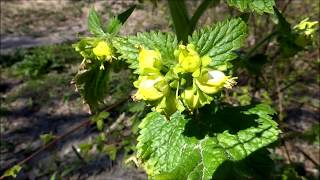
x=212 y=81
x=190 y=98
x=168 y=104
x=189 y=59
x=103 y=51
x=149 y=61
x=151 y=87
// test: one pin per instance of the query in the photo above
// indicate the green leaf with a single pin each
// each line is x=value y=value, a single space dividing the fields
x=286 y=37
x=46 y=138
x=54 y=176
x=122 y=17
x=92 y=83
x=220 y=40
x=85 y=148
x=259 y=6
x=94 y=23
x=100 y=124
x=185 y=148
x=180 y=18
x=128 y=46
x=13 y=172
x=111 y=150
x=283 y=25
x=115 y=23
x=257 y=165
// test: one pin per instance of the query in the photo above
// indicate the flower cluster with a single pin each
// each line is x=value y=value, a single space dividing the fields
x=306 y=31
x=95 y=49
x=189 y=84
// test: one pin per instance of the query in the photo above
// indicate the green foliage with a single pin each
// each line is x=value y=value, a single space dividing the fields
x=94 y=23
x=115 y=23
x=286 y=36
x=183 y=25
x=178 y=75
x=38 y=63
x=122 y=17
x=111 y=150
x=46 y=138
x=35 y=62
x=290 y=174
x=185 y=148
x=93 y=76
x=260 y=6
x=128 y=47
x=99 y=119
x=92 y=84
x=180 y=19
x=12 y=172
x=220 y=40
x=313 y=134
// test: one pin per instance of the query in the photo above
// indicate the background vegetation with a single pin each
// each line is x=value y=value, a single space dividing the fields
x=39 y=104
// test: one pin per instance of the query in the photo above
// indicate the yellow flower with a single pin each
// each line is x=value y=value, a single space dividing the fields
x=308 y=27
x=190 y=61
x=103 y=51
x=149 y=61
x=306 y=30
x=151 y=87
x=212 y=81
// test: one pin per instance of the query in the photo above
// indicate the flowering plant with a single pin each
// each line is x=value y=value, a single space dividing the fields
x=189 y=134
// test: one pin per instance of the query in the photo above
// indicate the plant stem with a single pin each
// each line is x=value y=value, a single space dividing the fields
x=199 y=12
x=267 y=38
x=308 y=157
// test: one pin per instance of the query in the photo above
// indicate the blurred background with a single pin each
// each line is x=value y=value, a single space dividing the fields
x=39 y=103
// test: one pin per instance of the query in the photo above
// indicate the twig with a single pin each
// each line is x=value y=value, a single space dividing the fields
x=58 y=138
x=116 y=123
x=280 y=95
x=308 y=157
x=267 y=38
x=286 y=150
x=288 y=86
x=78 y=154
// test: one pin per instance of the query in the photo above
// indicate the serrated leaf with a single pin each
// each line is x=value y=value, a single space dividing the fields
x=259 y=6
x=166 y=43
x=115 y=23
x=183 y=148
x=220 y=40
x=92 y=83
x=257 y=165
x=94 y=23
